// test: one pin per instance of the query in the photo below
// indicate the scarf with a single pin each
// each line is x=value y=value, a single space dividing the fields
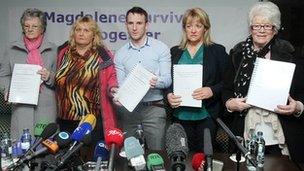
x=244 y=72
x=34 y=55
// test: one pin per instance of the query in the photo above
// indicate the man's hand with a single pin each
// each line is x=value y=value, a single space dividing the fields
x=174 y=100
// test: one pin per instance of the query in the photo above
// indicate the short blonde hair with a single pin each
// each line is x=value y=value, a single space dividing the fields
x=202 y=16
x=97 y=40
x=267 y=10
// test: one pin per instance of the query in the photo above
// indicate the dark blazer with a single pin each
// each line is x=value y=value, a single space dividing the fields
x=292 y=126
x=214 y=65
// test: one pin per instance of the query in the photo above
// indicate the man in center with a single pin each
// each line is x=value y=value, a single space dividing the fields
x=154 y=56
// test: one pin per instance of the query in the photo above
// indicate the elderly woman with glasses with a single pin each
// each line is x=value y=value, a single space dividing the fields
x=282 y=126
x=32 y=48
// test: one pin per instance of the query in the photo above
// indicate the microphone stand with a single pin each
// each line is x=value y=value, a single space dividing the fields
x=111 y=158
x=238 y=155
x=240 y=147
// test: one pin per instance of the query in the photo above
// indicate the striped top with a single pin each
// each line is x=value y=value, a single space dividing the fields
x=77 y=85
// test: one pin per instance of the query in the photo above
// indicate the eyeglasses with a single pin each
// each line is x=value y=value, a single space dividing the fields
x=258 y=27
x=27 y=27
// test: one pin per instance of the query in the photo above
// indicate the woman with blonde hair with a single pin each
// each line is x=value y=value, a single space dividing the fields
x=85 y=79
x=197 y=47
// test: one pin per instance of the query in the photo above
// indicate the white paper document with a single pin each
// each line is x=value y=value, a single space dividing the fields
x=25 y=84
x=135 y=87
x=270 y=83
x=187 y=78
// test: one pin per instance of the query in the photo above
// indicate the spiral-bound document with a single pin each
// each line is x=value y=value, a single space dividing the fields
x=25 y=84
x=270 y=83
x=135 y=87
x=187 y=78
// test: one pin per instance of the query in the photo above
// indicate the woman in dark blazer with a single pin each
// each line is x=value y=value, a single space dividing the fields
x=283 y=129
x=196 y=47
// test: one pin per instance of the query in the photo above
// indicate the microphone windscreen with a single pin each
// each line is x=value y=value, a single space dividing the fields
x=63 y=139
x=207 y=142
x=133 y=147
x=81 y=131
x=176 y=140
x=89 y=118
x=39 y=127
x=101 y=151
x=49 y=130
x=197 y=160
x=87 y=139
x=154 y=159
x=51 y=146
x=115 y=136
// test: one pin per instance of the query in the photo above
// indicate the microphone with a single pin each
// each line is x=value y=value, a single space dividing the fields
x=39 y=127
x=208 y=148
x=155 y=162
x=244 y=151
x=89 y=118
x=61 y=141
x=49 y=131
x=85 y=141
x=101 y=153
x=85 y=127
x=198 y=161
x=113 y=138
x=176 y=146
x=135 y=153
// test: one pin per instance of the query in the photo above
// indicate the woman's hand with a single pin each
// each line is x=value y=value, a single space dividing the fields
x=45 y=74
x=113 y=91
x=291 y=108
x=202 y=93
x=236 y=104
x=174 y=100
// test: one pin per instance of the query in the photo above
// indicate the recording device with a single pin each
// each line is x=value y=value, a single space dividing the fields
x=49 y=147
x=85 y=141
x=89 y=118
x=114 y=139
x=155 y=162
x=85 y=127
x=49 y=131
x=135 y=153
x=101 y=153
x=208 y=148
x=199 y=159
x=177 y=146
x=39 y=127
x=244 y=151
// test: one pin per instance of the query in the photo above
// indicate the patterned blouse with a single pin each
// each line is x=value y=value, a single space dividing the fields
x=77 y=85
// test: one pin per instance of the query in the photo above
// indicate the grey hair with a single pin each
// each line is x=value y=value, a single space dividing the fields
x=33 y=12
x=267 y=10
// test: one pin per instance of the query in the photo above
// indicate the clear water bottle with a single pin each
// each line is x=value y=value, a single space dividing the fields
x=26 y=140
x=140 y=136
x=260 y=150
x=6 y=152
x=251 y=145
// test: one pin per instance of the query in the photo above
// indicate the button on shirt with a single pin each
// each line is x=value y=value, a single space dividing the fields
x=154 y=56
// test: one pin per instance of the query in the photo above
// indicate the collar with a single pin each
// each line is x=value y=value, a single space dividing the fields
x=132 y=46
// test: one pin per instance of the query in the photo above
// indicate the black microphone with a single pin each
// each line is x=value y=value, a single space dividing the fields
x=208 y=148
x=244 y=151
x=177 y=146
x=50 y=130
x=85 y=141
